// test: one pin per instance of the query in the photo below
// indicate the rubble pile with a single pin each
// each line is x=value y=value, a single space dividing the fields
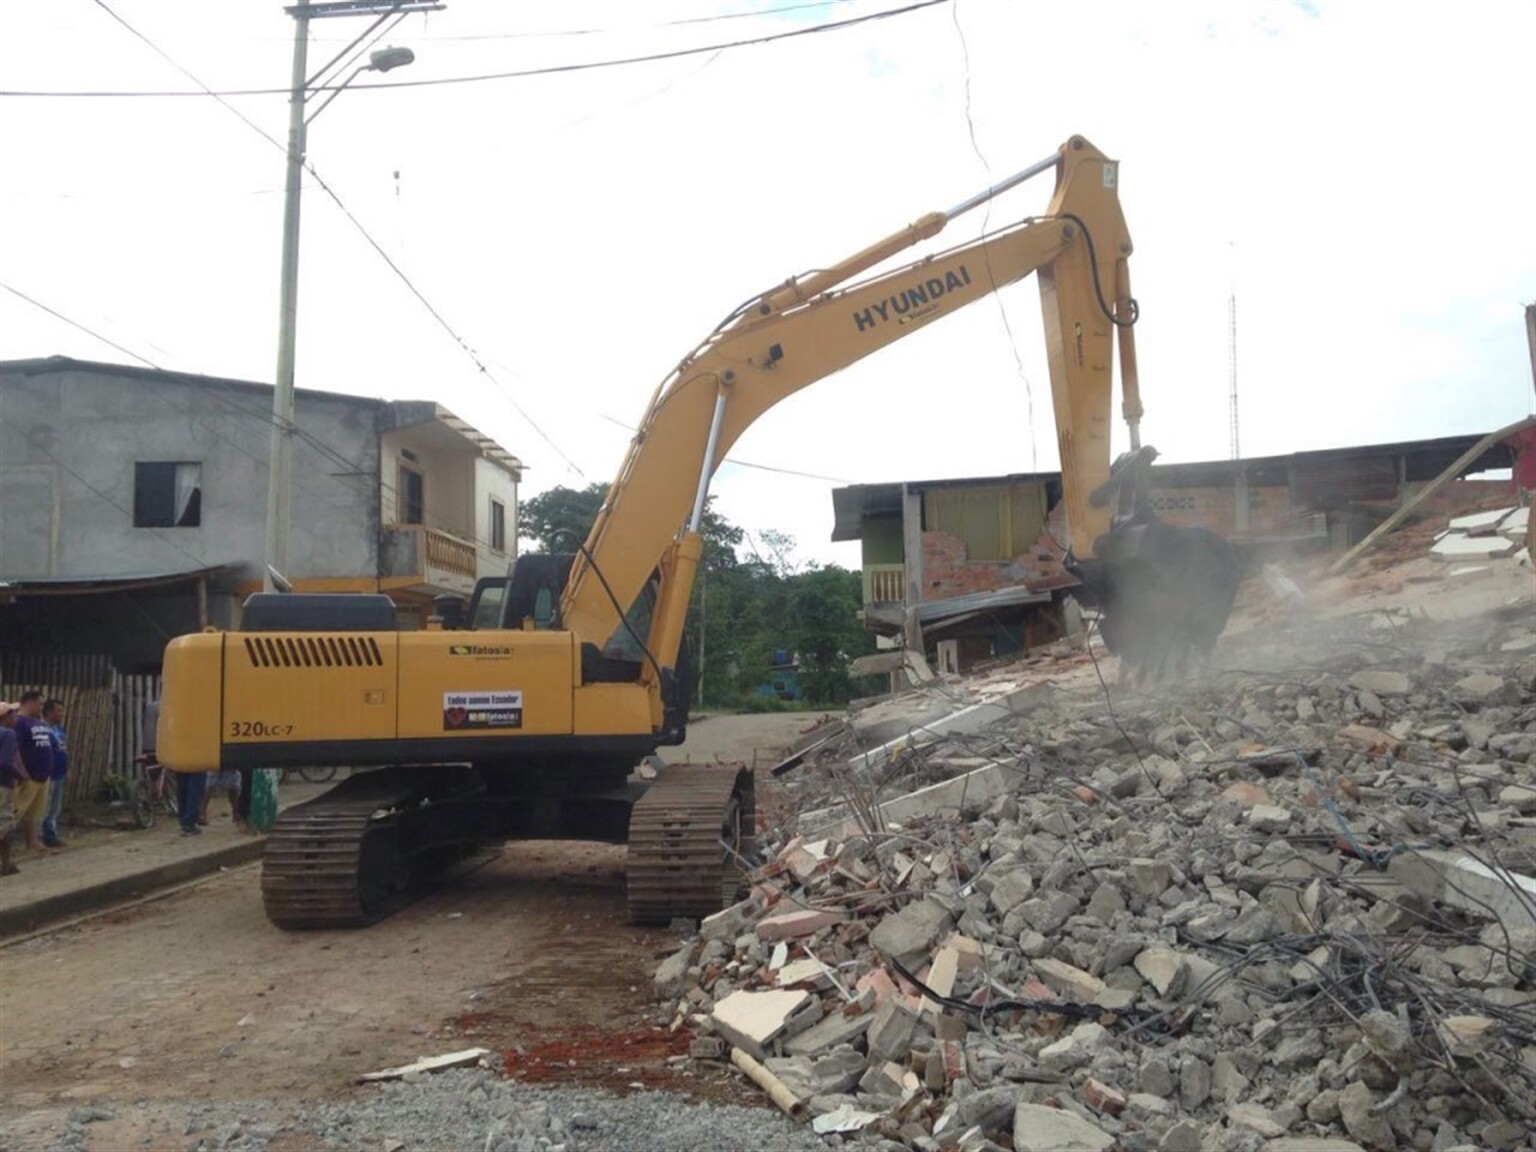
x=1289 y=908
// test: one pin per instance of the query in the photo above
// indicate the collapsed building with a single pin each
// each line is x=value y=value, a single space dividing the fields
x=1290 y=908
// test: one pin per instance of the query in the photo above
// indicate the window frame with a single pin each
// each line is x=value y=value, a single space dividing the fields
x=143 y=494
x=402 y=494
x=498 y=527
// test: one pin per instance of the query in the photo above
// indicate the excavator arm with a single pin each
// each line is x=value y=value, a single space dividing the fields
x=810 y=327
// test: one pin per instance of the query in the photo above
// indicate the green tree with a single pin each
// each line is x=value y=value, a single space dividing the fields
x=742 y=610
x=827 y=632
x=556 y=520
x=545 y=519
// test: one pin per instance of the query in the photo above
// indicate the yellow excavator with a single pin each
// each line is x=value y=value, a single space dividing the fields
x=526 y=714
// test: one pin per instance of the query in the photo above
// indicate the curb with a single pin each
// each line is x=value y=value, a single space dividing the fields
x=28 y=917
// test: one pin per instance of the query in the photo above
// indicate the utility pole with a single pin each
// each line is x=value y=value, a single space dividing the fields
x=1237 y=451
x=280 y=469
x=1530 y=338
x=280 y=466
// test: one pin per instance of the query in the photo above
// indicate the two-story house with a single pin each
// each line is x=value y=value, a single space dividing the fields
x=133 y=504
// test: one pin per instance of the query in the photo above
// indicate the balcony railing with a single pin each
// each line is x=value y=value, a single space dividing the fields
x=437 y=561
x=885 y=583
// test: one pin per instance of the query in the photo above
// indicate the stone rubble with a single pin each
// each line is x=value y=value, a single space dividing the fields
x=1290 y=907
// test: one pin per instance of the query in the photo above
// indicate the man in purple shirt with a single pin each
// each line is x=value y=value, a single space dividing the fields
x=35 y=742
x=10 y=771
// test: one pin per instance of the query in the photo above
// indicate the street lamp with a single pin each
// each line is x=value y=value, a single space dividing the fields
x=280 y=472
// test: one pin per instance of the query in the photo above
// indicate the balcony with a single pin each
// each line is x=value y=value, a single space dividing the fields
x=415 y=558
x=885 y=583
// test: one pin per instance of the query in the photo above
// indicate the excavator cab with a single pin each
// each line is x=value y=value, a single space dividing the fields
x=527 y=597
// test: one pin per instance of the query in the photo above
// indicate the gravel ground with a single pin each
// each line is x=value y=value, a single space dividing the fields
x=476 y=1109
x=461 y=1110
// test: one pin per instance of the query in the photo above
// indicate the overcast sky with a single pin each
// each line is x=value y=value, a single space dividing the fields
x=1361 y=175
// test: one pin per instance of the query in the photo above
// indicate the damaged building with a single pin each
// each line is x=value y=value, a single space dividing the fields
x=976 y=564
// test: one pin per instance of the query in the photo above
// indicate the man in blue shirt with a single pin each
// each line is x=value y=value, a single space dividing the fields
x=53 y=717
x=36 y=745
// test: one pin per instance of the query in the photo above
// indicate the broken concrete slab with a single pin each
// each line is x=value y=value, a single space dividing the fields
x=808 y=971
x=908 y=936
x=1465 y=1035
x=1010 y=889
x=828 y=1033
x=672 y=974
x=461 y=1059
x=728 y=923
x=844 y=1118
x=1269 y=818
x=1042 y=1129
x=1458 y=881
x=800 y=922
x=1067 y=981
x=1459 y=547
x=1381 y=681
x=1482 y=521
x=891 y=1031
x=970 y=792
x=754 y=1020
x=964 y=721
x=1164 y=969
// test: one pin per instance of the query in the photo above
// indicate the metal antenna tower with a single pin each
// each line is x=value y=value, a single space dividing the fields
x=1232 y=371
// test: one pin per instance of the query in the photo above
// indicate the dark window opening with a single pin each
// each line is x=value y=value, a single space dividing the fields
x=498 y=526
x=412 y=496
x=167 y=495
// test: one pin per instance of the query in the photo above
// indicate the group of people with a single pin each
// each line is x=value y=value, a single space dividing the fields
x=34 y=762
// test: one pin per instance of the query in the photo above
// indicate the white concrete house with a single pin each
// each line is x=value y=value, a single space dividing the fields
x=133 y=503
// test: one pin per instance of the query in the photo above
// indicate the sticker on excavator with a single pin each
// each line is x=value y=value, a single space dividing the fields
x=468 y=710
x=264 y=798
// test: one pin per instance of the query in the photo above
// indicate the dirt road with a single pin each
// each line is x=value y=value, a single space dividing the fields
x=196 y=996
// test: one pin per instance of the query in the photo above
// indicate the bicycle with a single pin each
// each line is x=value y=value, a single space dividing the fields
x=311 y=774
x=151 y=791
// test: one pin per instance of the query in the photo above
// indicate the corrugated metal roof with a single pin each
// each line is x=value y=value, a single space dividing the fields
x=17 y=586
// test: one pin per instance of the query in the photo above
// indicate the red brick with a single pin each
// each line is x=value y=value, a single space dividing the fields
x=1102 y=1098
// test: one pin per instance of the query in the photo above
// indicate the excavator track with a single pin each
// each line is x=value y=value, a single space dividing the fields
x=327 y=865
x=340 y=860
x=687 y=837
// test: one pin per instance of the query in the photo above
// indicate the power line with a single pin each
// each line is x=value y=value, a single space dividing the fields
x=442 y=322
x=36 y=441
x=743 y=463
x=1002 y=308
x=351 y=469
x=76 y=324
x=358 y=224
x=563 y=32
x=548 y=70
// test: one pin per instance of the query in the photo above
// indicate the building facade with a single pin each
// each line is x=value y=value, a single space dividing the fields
x=133 y=504
x=976 y=562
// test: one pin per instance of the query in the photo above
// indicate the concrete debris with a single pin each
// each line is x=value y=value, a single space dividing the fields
x=1289 y=908
x=1461 y=547
x=1043 y=1129
x=753 y=1020
x=464 y=1059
